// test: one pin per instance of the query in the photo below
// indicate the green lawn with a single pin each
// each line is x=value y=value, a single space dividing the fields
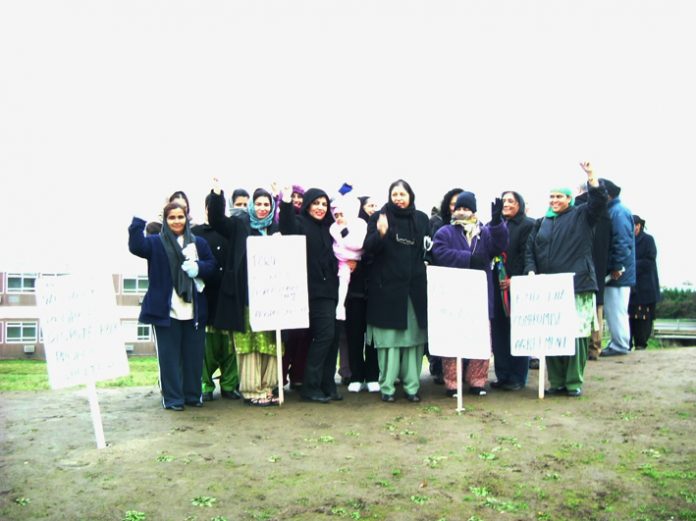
x=31 y=375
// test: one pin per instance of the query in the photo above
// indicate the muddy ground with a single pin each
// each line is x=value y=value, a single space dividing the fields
x=626 y=450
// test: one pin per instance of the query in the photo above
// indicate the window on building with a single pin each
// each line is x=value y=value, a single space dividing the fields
x=21 y=282
x=137 y=332
x=135 y=285
x=21 y=332
x=144 y=333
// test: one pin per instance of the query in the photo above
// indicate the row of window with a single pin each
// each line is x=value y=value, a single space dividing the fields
x=28 y=332
x=26 y=283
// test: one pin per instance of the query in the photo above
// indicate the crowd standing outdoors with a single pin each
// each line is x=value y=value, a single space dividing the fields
x=367 y=278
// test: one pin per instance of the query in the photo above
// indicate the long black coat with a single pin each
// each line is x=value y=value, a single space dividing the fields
x=234 y=288
x=601 y=244
x=396 y=272
x=219 y=245
x=647 y=289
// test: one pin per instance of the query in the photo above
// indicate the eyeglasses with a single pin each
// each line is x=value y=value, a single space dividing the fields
x=406 y=242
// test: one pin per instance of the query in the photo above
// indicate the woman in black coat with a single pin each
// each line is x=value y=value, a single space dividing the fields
x=397 y=290
x=313 y=222
x=646 y=293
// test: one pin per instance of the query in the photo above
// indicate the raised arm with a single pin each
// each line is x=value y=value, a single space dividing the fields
x=138 y=244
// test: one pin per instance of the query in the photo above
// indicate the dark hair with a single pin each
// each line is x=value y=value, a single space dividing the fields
x=181 y=195
x=209 y=197
x=260 y=192
x=169 y=207
x=407 y=187
x=239 y=192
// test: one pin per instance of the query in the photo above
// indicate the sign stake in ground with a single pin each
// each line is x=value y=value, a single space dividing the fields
x=278 y=296
x=82 y=335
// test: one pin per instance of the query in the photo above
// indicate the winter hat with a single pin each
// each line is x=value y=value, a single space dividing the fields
x=347 y=205
x=612 y=189
x=466 y=200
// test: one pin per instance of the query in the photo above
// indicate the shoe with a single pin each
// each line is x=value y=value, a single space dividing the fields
x=534 y=363
x=231 y=395
x=413 y=398
x=261 y=402
x=335 y=397
x=316 y=399
x=194 y=404
x=355 y=387
x=177 y=408
x=451 y=392
x=208 y=397
x=511 y=386
x=574 y=393
x=477 y=391
x=640 y=348
x=388 y=398
x=555 y=391
x=612 y=352
x=498 y=385
x=373 y=387
x=295 y=386
x=593 y=356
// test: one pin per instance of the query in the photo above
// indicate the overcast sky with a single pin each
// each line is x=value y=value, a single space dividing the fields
x=107 y=107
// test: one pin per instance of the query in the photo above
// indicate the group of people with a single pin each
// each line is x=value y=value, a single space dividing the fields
x=366 y=273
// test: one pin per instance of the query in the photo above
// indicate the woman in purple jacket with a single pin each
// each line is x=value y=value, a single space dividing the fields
x=465 y=243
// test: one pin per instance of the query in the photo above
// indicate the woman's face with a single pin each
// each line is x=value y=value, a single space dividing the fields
x=453 y=201
x=296 y=199
x=636 y=229
x=559 y=202
x=510 y=206
x=318 y=208
x=262 y=206
x=462 y=213
x=370 y=207
x=400 y=197
x=176 y=220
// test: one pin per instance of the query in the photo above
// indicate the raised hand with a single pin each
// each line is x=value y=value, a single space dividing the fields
x=496 y=211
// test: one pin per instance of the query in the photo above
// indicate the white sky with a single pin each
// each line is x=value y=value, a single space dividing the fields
x=107 y=107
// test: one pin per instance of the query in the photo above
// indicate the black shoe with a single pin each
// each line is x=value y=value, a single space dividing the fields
x=511 y=386
x=413 y=398
x=388 y=398
x=317 y=399
x=208 y=397
x=194 y=404
x=335 y=397
x=498 y=385
x=477 y=391
x=574 y=393
x=451 y=392
x=295 y=385
x=176 y=408
x=230 y=395
x=555 y=391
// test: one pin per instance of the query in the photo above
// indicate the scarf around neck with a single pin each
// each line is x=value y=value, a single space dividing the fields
x=471 y=227
x=261 y=224
x=183 y=285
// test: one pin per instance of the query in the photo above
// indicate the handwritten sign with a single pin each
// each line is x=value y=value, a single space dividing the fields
x=82 y=332
x=277 y=268
x=458 y=313
x=543 y=319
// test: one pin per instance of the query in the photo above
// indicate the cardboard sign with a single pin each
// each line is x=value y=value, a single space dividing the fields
x=277 y=268
x=542 y=315
x=82 y=332
x=458 y=324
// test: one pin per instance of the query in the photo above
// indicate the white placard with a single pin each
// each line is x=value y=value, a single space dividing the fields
x=458 y=323
x=82 y=332
x=543 y=319
x=277 y=268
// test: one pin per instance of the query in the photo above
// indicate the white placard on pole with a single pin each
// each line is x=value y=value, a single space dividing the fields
x=82 y=334
x=458 y=324
x=543 y=320
x=277 y=268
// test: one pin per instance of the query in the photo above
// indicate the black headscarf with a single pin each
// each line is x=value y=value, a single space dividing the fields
x=519 y=199
x=403 y=219
x=183 y=284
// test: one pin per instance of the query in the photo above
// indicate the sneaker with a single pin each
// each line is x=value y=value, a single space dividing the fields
x=477 y=391
x=612 y=352
x=356 y=387
x=373 y=387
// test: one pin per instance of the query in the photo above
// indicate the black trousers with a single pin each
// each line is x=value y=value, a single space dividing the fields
x=362 y=357
x=320 y=369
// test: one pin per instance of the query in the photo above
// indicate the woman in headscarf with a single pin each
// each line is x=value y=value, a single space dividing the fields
x=561 y=242
x=177 y=263
x=465 y=243
x=397 y=290
x=256 y=351
x=313 y=222
x=646 y=293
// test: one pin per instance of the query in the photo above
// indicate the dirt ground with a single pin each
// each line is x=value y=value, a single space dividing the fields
x=623 y=451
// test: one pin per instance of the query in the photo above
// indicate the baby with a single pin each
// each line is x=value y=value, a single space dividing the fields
x=348 y=233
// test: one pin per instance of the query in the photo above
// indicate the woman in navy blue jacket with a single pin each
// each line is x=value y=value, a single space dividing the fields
x=173 y=304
